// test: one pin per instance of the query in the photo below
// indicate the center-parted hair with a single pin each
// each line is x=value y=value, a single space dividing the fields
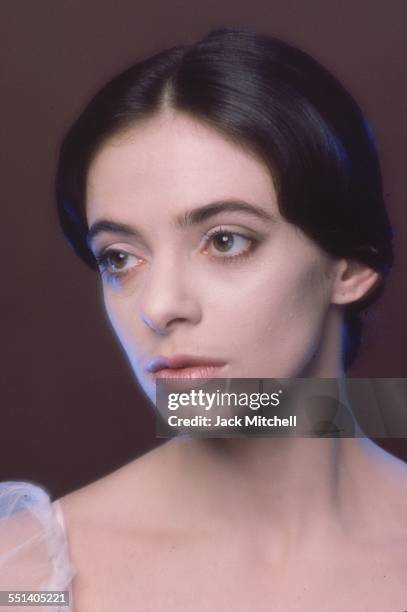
x=274 y=100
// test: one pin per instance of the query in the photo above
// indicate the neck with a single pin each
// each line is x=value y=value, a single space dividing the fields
x=291 y=491
x=288 y=487
x=326 y=362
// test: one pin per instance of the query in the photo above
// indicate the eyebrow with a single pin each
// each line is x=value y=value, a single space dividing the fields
x=187 y=219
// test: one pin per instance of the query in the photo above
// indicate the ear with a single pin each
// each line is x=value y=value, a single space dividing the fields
x=353 y=281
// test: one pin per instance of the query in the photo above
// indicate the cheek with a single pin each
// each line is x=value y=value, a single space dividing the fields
x=300 y=321
x=270 y=294
x=276 y=318
x=118 y=311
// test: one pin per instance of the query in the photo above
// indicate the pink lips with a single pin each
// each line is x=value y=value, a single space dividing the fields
x=184 y=366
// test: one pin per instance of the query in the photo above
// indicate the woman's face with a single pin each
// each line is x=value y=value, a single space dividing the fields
x=205 y=265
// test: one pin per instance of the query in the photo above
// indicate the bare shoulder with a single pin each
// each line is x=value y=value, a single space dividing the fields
x=127 y=527
x=105 y=502
x=386 y=500
x=104 y=520
x=388 y=557
x=389 y=486
x=393 y=474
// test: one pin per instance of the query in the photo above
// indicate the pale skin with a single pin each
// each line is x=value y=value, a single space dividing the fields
x=256 y=524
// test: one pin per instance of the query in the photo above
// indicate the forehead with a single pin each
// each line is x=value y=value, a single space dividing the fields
x=171 y=162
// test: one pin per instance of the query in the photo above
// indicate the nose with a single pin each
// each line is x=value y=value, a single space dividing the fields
x=169 y=299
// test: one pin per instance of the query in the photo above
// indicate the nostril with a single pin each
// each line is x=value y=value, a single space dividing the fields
x=160 y=330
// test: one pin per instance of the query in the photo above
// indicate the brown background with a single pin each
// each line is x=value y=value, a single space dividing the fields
x=70 y=409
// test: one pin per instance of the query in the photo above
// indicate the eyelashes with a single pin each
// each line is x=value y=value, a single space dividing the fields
x=221 y=245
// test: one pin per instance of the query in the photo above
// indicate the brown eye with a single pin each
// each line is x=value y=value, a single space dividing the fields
x=113 y=263
x=227 y=245
x=116 y=259
x=223 y=241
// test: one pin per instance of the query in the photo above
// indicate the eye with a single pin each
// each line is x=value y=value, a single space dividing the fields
x=113 y=263
x=226 y=244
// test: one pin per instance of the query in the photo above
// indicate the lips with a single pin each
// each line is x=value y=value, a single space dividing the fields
x=192 y=372
x=184 y=366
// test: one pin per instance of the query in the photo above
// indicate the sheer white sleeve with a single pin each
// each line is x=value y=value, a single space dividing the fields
x=34 y=552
